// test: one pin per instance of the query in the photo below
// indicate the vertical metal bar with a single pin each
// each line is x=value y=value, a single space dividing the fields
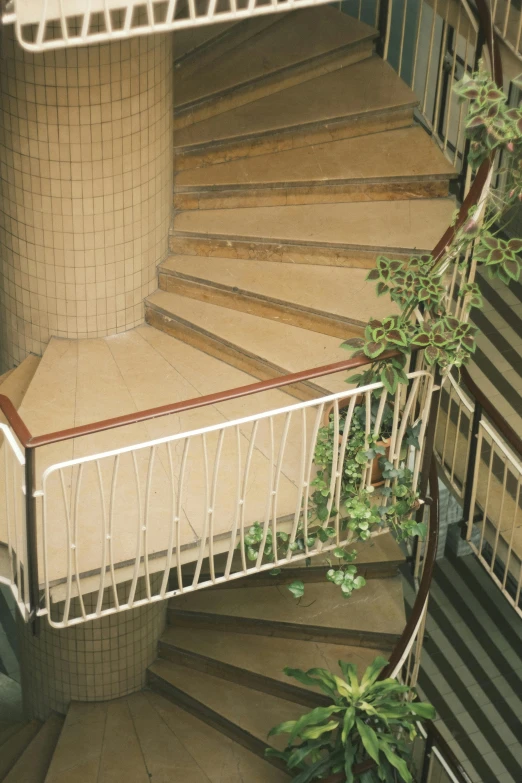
x=383 y=25
x=426 y=762
x=32 y=536
x=470 y=467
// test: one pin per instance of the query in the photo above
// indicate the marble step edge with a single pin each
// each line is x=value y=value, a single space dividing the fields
x=317 y=131
x=238 y=674
x=258 y=304
x=307 y=68
x=206 y=714
x=193 y=334
x=333 y=192
x=286 y=630
x=233 y=35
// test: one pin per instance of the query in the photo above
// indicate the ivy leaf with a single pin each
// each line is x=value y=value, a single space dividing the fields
x=297 y=588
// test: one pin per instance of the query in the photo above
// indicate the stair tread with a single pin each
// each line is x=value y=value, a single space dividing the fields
x=15 y=745
x=220 y=759
x=310 y=287
x=88 y=380
x=18 y=380
x=8 y=728
x=289 y=347
x=187 y=40
x=382 y=225
x=263 y=655
x=33 y=764
x=378 y=606
x=403 y=153
x=76 y=758
x=251 y=710
x=293 y=39
x=340 y=93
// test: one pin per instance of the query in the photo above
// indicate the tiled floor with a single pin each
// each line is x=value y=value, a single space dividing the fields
x=472 y=670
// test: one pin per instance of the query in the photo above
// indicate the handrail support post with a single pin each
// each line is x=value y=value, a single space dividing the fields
x=470 y=468
x=32 y=537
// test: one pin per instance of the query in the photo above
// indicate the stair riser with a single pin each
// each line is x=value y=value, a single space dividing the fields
x=226 y=352
x=286 y=252
x=246 y=625
x=211 y=718
x=312 y=194
x=240 y=676
x=281 y=80
x=292 y=138
x=255 y=304
x=311 y=575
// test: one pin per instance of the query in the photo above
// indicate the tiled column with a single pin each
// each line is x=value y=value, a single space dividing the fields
x=86 y=188
x=93 y=661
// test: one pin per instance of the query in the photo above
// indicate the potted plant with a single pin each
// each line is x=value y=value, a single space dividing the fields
x=368 y=719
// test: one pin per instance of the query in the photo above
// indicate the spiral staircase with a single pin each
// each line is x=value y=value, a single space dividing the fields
x=297 y=162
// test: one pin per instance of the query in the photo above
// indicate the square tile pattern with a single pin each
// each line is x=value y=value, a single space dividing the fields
x=86 y=183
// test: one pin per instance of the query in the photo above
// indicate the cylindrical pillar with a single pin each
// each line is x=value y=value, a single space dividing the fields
x=86 y=188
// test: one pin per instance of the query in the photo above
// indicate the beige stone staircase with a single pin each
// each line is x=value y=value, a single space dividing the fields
x=289 y=182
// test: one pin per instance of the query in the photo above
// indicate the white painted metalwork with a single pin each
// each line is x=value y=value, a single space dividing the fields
x=495 y=518
x=146 y=521
x=453 y=435
x=13 y=531
x=43 y=25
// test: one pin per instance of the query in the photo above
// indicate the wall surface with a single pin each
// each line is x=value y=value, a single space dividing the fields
x=86 y=188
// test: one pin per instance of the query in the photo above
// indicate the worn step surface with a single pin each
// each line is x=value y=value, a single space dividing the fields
x=14 y=746
x=336 y=105
x=261 y=346
x=309 y=297
x=256 y=661
x=392 y=165
x=244 y=714
x=294 y=48
x=351 y=234
x=33 y=764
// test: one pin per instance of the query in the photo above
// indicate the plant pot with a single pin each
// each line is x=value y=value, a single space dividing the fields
x=376 y=478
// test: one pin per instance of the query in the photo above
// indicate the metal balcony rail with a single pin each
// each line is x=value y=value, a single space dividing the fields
x=481 y=456
x=117 y=524
x=507 y=18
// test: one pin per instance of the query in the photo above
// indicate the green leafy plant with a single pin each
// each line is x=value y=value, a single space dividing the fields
x=421 y=285
x=367 y=719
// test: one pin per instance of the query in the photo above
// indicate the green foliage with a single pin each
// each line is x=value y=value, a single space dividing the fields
x=368 y=719
x=420 y=285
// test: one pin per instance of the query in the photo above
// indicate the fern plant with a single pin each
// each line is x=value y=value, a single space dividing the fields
x=369 y=719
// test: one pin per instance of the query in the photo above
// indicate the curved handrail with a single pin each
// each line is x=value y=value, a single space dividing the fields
x=28 y=441
x=409 y=634
x=506 y=430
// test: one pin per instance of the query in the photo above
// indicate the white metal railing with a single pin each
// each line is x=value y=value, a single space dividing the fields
x=485 y=472
x=147 y=521
x=13 y=528
x=507 y=17
x=42 y=25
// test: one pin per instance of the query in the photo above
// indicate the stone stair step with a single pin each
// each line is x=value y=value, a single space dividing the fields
x=351 y=234
x=392 y=165
x=14 y=746
x=15 y=382
x=219 y=758
x=243 y=714
x=258 y=288
x=334 y=106
x=268 y=610
x=257 y=662
x=260 y=346
x=34 y=762
x=295 y=48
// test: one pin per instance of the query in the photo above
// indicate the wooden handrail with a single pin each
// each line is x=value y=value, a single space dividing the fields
x=29 y=441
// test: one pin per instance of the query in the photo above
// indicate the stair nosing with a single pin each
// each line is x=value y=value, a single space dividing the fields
x=185 y=108
x=176 y=233
x=278 y=688
x=245 y=294
x=296 y=630
x=212 y=718
x=187 y=149
x=297 y=184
